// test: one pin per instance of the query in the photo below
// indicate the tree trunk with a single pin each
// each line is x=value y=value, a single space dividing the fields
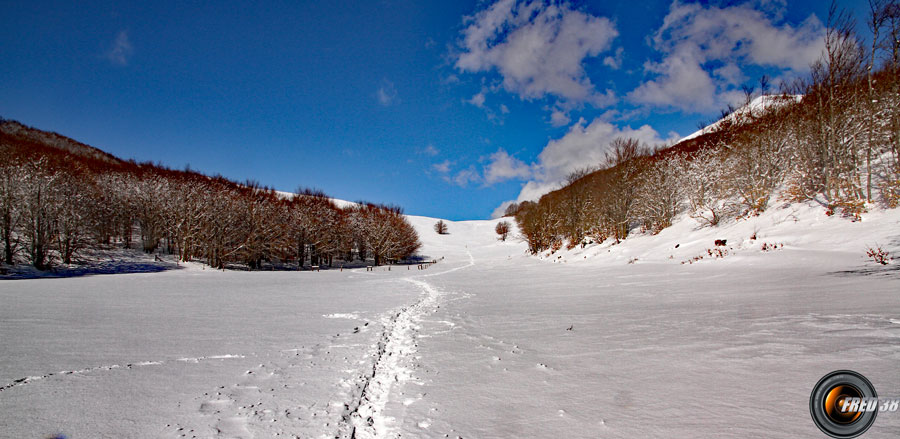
x=301 y=254
x=7 y=241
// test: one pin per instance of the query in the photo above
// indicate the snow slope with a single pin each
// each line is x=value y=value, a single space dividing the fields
x=726 y=347
x=757 y=106
x=800 y=229
x=488 y=342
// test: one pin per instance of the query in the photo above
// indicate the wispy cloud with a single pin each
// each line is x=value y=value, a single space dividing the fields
x=494 y=112
x=121 y=50
x=464 y=177
x=559 y=118
x=429 y=150
x=477 y=100
x=614 y=61
x=495 y=168
x=442 y=167
x=387 y=94
x=461 y=178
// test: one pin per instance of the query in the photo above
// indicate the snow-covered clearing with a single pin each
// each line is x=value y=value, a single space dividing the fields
x=488 y=342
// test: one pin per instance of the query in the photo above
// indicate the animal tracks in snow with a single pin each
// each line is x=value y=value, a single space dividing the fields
x=126 y=366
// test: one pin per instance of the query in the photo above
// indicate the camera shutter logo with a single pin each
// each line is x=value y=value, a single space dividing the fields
x=843 y=404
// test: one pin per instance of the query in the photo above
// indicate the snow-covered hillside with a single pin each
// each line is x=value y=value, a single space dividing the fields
x=801 y=228
x=756 y=107
x=488 y=342
x=464 y=237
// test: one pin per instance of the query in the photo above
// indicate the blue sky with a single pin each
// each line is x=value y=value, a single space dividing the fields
x=448 y=109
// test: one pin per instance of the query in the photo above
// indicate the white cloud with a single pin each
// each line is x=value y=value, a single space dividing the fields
x=450 y=79
x=774 y=8
x=584 y=145
x=461 y=178
x=442 y=167
x=429 y=150
x=464 y=177
x=615 y=61
x=683 y=83
x=121 y=50
x=387 y=94
x=477 y=100
x=494 y=113
x=501 y=209
x=731 y=74
x=534 y=189
x=559 y=118
x=501 y=167
x=537 y=48
x=705 y=47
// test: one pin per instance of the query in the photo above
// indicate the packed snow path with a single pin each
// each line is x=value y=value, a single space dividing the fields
x=392 y=367
x=393 y=362
x=489 y=342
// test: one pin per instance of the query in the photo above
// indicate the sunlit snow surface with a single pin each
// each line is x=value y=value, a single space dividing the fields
x=478 y=345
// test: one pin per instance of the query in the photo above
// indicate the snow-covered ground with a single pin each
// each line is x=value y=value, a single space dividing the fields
x=614 y=341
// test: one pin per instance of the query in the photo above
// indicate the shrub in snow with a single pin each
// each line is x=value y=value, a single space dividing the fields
x=879 y=255
x=766 y=247
x=716 y=253
x=556 y=246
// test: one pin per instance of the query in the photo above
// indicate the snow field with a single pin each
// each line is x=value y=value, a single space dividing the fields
x=213 y=352
x=488 y=342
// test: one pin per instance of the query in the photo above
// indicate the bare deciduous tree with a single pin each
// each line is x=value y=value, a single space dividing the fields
x=502 y=229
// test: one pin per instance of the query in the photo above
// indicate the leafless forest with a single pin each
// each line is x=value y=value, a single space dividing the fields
x=59 y=197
